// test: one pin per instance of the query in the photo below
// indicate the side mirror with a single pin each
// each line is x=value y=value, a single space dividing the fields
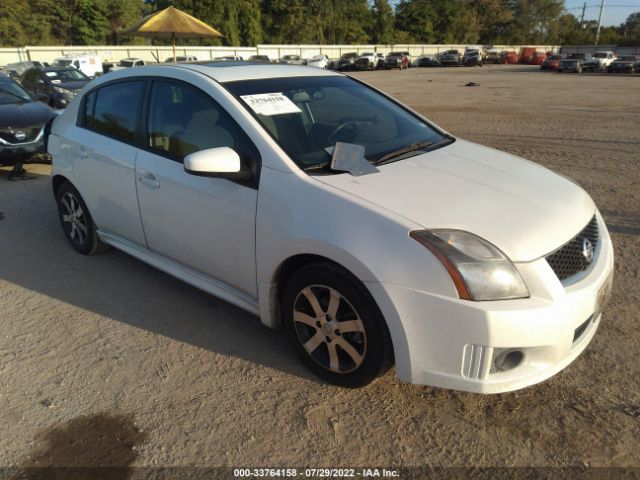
x=214 y=162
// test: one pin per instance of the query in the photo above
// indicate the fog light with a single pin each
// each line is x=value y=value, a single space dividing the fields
x=506 y=359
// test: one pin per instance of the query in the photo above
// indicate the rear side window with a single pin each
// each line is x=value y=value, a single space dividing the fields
x=113 y=110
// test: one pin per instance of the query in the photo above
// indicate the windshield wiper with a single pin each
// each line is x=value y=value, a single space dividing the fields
x=318 y=166
x=400 y=151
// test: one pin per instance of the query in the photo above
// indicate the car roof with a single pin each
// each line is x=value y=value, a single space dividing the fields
x=234 y=71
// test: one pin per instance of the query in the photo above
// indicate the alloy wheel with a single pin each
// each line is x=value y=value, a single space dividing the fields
x=74 y=219
x=329 y=328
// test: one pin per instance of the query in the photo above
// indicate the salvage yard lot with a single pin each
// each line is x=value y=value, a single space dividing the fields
x=104 y=360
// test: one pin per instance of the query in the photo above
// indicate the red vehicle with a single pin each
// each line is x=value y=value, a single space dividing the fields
x=510 y=57
x=527 y=55
x=551 y=63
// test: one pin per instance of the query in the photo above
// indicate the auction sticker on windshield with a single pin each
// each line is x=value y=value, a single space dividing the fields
x=270 y=104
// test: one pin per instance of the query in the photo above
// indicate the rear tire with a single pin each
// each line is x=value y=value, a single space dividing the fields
x=335 y=325
x=76 y=221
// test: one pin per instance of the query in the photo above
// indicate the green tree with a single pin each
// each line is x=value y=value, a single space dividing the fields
x=382 y=22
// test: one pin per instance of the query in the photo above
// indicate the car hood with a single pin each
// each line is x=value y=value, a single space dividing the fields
x=75 y=85
x=523 y=208
x=20 y=115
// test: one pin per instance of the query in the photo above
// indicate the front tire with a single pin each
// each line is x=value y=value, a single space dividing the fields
x=76 y=221
x=335 y=325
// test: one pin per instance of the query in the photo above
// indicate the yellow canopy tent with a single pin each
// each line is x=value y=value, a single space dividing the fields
x=172 y=23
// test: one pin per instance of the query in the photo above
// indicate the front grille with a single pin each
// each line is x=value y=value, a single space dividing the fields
x=30 y=134
x=570 y=259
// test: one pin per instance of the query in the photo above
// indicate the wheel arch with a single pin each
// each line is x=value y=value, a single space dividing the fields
x=56 y=181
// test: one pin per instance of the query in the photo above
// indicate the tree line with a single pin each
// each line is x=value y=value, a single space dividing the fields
x=250 y=22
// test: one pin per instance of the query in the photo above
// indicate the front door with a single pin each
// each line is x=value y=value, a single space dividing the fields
x=207 y=224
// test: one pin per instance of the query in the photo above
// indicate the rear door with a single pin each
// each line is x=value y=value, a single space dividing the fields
x=103 y=150
x=205 y=223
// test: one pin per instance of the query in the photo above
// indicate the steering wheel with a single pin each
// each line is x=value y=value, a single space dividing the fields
x=346 y=125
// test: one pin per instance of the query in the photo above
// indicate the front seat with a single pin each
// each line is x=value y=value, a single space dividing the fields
x=202 y=131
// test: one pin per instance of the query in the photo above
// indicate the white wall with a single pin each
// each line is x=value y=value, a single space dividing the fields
x=152 y=53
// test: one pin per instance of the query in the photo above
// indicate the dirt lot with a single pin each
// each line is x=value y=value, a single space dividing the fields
x=104 y=360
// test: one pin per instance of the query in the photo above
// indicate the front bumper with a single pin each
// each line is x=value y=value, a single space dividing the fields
x=572 y=67
x=452 y=343
x=10 y=154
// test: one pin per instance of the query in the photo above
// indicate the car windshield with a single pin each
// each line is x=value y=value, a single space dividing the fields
x=62 y=63
x=350 y=55
x=11 y=92
x=308 y=115
x=395 y=54
x=600 y=55
x=66 y=75
x=126 y=63
x=577 y=56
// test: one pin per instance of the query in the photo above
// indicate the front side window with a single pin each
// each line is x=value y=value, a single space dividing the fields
x=183 y=120
x=309 y=115
x=116 y=109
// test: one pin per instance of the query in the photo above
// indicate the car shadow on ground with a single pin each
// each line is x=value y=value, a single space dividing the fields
x=35 y=255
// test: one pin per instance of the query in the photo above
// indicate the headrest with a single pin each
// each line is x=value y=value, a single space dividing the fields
x=204 y=118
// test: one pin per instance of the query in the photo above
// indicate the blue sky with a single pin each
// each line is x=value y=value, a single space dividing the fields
x=614 y=14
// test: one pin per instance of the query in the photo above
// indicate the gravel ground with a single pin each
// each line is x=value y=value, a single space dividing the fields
x=106 y=361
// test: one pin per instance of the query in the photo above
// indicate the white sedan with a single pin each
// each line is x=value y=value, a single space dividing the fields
x=319 y=61
x=326 y=207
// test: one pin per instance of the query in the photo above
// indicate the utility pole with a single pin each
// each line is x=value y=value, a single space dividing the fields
x=584 y=7
x=599 y=22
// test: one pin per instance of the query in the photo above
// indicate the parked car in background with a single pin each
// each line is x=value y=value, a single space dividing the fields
x=538 y=58
x=332 y=64
x=467 y=267
x=347 y=61
x=399 y=60
x=450 y=58
x=182 y=59
x=128 y=63
x=259 y=59
x=427 y=61
x=369 y=61
x=472 y=58
x=230 y=58
x=574 y=62
x=22 y=125
x=16 y=70
x=56 y=86
x=510 y=57
x=90 y=65
x=625 y=64
x=493 y=55
x=291 y=60
x=599 y=62
x=551 y=62
x=318 y=61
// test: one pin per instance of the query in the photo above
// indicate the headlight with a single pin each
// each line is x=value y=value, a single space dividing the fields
x=479 y=270
x=65 y=92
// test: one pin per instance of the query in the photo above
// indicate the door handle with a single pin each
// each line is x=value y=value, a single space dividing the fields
x=148 y=179
x=81 y=152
